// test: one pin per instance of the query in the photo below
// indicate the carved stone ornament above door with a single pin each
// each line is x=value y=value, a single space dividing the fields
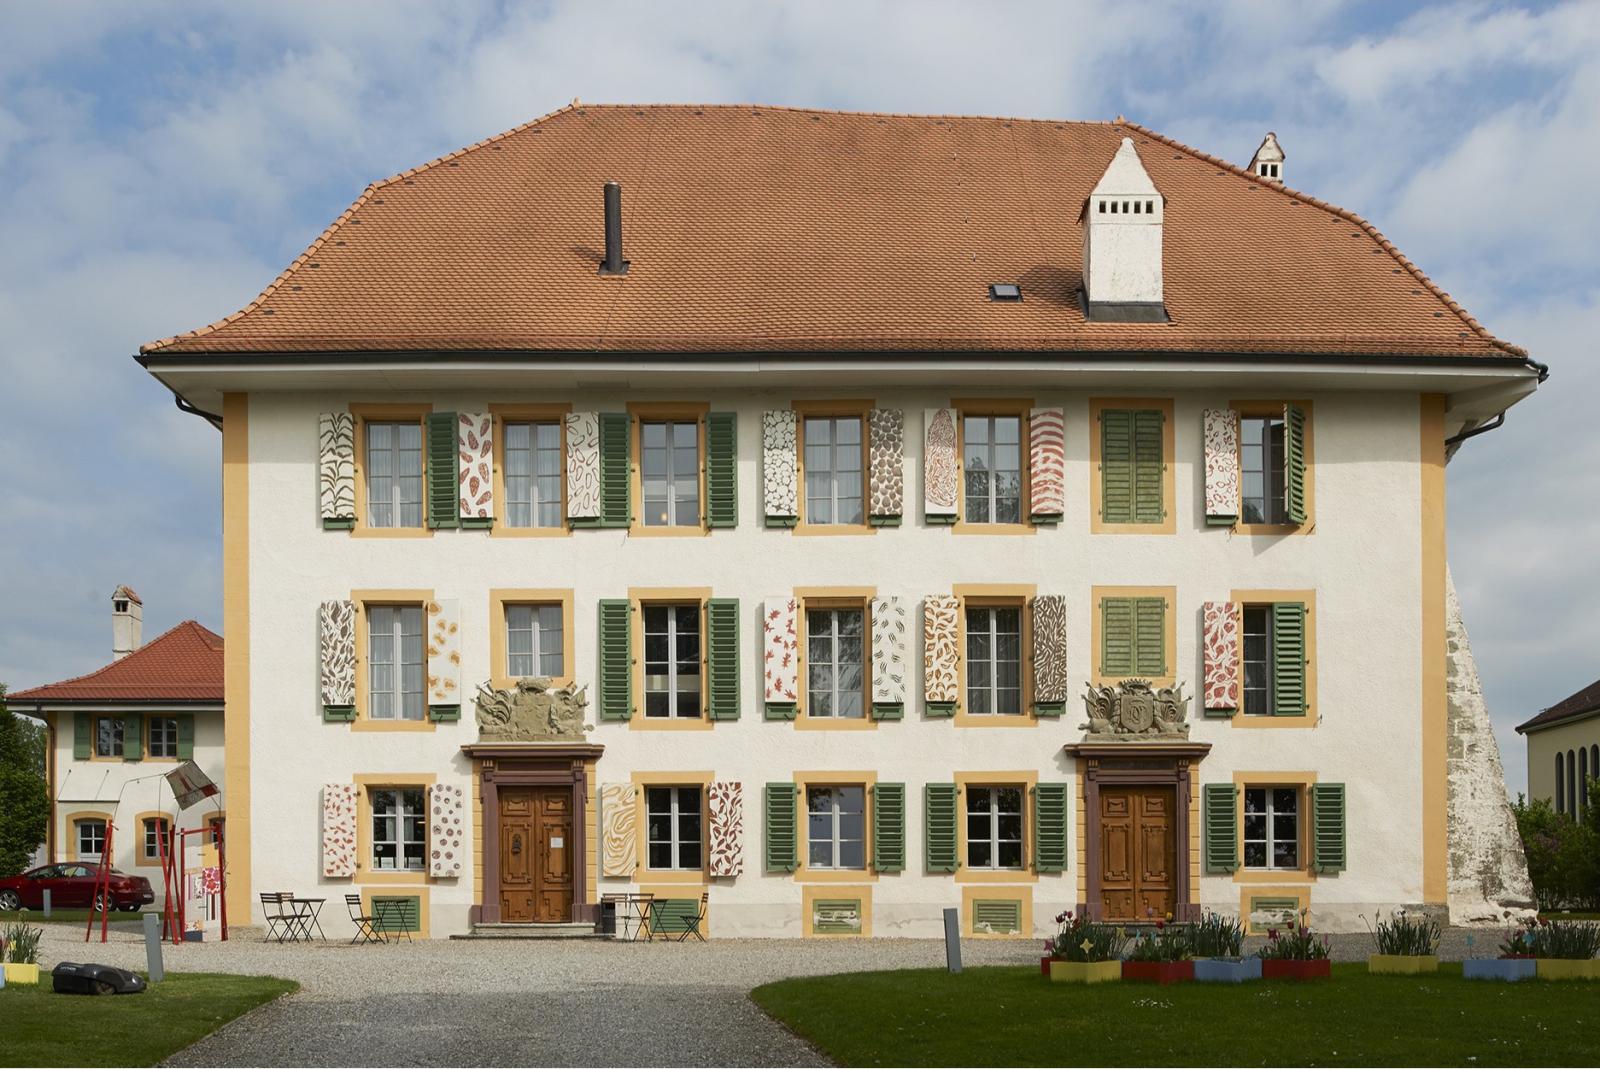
x=1133 y=710
x=535 y=710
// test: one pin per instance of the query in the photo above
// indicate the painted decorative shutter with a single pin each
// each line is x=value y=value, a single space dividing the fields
x=890 y=653
x=475 y=435
x=133 y=737
x=1288 y=658
x=444 y=471
x=939 y=827
x=1116 y=465
x=616 y=660
x=1047 y=464
x=941 y=654
x=725 y=802
x=82 y=736
x=583 y=467
x=336 y=470
x=339 y=829
x=446 y=829
x=886 y=437
x=616 y=504
x=888 y=827
x=941 y=468
x=444 y=660
x=722 y=658
x=1221 y=435
x=1148 y=466
x=619 y=839
x=1116 y=638
x=780 y=819
x=185 y=736
x=1221 y=820
x=1294 y=462
x=780 y=655
x=722 y=469
x=779 y=468
x=336 y=628
x=1327 y=827
x=1219 y=638
x=1049 y=655
x=1050 y=827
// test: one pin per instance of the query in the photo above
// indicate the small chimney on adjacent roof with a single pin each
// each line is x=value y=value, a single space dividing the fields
x=614 y=263
x=1268 y=160
x=1122 y=244
x=127 y=622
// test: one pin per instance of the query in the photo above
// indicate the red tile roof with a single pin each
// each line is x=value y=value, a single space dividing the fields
x=185 y=664
x=1576 y=705
x=776 y=229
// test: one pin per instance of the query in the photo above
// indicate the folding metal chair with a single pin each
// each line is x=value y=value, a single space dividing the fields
x=280 y=923
x=692 y=922
x=364 y=922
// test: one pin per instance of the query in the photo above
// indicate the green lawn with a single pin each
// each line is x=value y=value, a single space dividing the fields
x=998 y=1016
x=39 y=1027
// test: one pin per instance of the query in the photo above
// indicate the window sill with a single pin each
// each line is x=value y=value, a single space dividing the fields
x=962 y=527
x=803 y=722
x=392 y=877
x=501 y=530
x=362 y=723
x=639 y=530
x=831 y=530
x=363 y=531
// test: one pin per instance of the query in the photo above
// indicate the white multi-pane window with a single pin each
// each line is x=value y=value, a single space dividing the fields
x=836 y=827
x=835 y=668
x=994 y=660
x=992 y=463
x=1258 y=660
x=394 y=474
x=157 y=838
x=833 y=469
x=673 y=827
x=994 y=827
x=672 y=660
x=534 y=642
x=108 y=736
x=91 y=839
x=669 y=473
x=399 y=833
x=395 y=662
x=533 y=474
x=1261 y=470
x=1272 y=828
x=163 y=736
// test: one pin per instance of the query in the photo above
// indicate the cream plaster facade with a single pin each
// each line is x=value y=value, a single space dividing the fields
x=1546 y=744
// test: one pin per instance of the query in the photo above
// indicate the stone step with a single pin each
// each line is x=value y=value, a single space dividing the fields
x=504 y=930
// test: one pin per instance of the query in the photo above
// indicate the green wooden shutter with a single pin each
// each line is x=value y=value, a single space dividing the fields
x=780 y=820
x=1221 y=819
x=1327 y=827
x=616 y=660
x=185 y=736
x=133 y=737
x=1294 y=462
x=1050 y=827
x=722 y=469
x=997 y=916
x=444 y=471
x=1150 y=637
x=402 y=914
x=1116 y=637
x=722 y=658
x=616 y=507
x=82 y=736
x=1148 y=467
x=1116 y=465
x=889 y=827
x=939 y=825
x=1289 y=658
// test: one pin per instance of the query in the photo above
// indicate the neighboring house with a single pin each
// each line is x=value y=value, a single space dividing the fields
x=1564 y=750
x=884 y=448
x=115 y=733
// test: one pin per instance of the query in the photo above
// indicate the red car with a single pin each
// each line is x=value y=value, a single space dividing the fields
x=71 y=886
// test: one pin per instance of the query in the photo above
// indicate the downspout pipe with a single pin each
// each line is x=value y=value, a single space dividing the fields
x=1499 y=420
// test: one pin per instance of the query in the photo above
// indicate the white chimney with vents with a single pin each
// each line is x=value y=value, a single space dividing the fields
x=127 y=622
x=1268 y=160
x=1122 y=243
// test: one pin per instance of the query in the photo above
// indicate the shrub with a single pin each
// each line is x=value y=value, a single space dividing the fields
x=1081 y=939
x=1295 y=943
x=1563 y=854
x=19 y=943
x=1406 y=935
x=1216 y=936
x=1578 y=940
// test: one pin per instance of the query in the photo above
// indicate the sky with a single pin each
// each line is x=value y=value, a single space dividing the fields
x=161 y=162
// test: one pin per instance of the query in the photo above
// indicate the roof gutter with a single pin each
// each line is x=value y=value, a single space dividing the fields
x=1500 y=418
x=190 y=410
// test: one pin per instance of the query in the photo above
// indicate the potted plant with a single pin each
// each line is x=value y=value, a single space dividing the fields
x=1565 y=950
x=1295 y=954
x=1217 y=943
x=1515 y=962
x=1086 y=951
x=19 y=951
x=1160 y=955
x=1406 y=944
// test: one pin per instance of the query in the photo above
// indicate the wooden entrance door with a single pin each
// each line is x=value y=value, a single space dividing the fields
x=1138 y=869
x=535 y=852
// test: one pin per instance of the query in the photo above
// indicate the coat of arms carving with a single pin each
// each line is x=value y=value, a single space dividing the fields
x=1135 y=709
x=535 y=710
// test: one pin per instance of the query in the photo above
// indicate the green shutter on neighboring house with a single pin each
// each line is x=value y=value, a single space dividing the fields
x=1327 y=827
x=616 y=508
x=1289 y=658
x=1148 y=467
x=997 y=916
x=1221 y=821
x=889 y=827
x=1131 y=466
x=82 y=736
x=401 y=913
x=1294 y=463
x=1050 y=827
x=722 y=658
x=780 y=820
x=1133 y=637
x=722 y=469
x=444 y=471
x=185 y=736
x=939 y=825
x=133 y=737
x=616 y=660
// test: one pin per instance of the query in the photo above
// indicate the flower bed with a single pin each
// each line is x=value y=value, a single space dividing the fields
x=1506 y=970
x=1407 y=945
x=1160 y=955
x=19 y=951
x=1083 y=951
x=1295 y=954
x=1217 y=943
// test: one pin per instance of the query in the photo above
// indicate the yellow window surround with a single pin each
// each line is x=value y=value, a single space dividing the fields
x=1301 y=782
x=995 y=595
x=1275 y=408
x=501 y=599
x=803 y=873
x=1242 y=598
x=1169 y=629
x=992 y=406
x=364 y=599
x=835 y=597
x=1026 y=780
x=526 y=413
x=638 y=599
x=692 y=877
x=640 y=413
x=862 y=410
x=1169 y=508
x=387 y=413
x=366 y=783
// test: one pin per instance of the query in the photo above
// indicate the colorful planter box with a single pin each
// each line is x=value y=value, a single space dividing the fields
x=1506 y=970
x=1403 y=964
x=1085 y=972
x=1226 y=970
x=1289 y=969
x=1044 y=966
x=1158 y=972
x=1568 y=969
x=21 y=974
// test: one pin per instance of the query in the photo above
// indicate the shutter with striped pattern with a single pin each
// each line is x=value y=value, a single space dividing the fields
x=444 y=471
x=1047 y=460
x=1050 y=827
x=1221 y=820
x=1328 y=827
x=1294 y=462
x=722 y=469
x=616 y=507
x=939 y=827
x=1288 y=658
x=616 y=660
x=722 y=658
x=780 y=827
x=888 y=827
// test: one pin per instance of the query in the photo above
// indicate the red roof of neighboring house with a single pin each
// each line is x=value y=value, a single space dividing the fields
x=1583 y=702
x=771 y=229
x=185 y=664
